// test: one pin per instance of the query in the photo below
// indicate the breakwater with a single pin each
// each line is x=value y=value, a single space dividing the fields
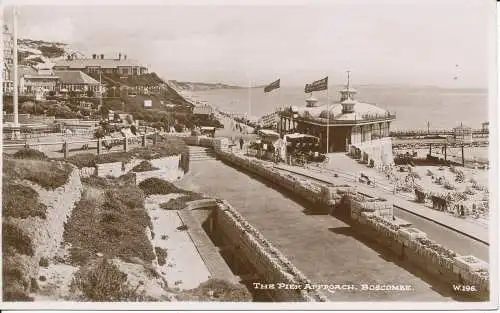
x=372 y=218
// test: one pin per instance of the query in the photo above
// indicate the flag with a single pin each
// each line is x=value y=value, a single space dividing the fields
x=318 y=85
x=272 y=86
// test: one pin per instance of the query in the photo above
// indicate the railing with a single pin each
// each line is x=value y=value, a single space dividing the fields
x=435 y=132
x=67 y=148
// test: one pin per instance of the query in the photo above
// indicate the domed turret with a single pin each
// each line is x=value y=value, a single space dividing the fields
x=348 y=105
x=311 y=102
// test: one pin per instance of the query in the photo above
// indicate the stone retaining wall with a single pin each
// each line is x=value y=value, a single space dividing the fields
x=373 y=219
x=270 y=263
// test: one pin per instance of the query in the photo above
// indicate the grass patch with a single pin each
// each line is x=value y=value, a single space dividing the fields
x=217 y=290
x=15 y=240
x=49 y=175
x=144 y=166
x=113 y=223
x=104 y=282
x=30 y=154
x=21 y=201
x=161 y=254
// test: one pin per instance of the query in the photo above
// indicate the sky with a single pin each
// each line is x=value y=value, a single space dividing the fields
x=424 y=42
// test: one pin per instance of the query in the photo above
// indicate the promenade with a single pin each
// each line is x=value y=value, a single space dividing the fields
x=468 y=227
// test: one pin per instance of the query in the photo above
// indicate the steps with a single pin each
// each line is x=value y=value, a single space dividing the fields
x=201 y=154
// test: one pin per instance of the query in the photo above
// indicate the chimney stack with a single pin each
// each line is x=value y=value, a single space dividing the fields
x=125 y=57
x=93 y=56
x=119 y=56
x=102 y=56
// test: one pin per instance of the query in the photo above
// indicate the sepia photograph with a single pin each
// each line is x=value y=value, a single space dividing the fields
x=249 y=155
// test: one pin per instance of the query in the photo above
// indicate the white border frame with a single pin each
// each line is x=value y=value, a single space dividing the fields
x=494 y=86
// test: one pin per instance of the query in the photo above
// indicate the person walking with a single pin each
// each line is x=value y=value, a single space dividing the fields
x=241 y=143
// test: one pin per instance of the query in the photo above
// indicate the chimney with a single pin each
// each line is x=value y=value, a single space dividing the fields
x=125 y=57
x=119 y=56
x=102 y=56
x=93 y=56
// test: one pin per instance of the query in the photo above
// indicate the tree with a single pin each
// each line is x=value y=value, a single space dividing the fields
x=90 y=93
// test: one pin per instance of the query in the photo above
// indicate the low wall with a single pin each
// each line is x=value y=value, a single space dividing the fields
x=375 y=220
x=269 y=262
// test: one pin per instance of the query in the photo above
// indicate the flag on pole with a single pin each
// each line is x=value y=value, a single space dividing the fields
x=272 y=86
x=318 y=85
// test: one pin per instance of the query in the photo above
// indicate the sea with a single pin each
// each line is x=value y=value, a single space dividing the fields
x=414 y=107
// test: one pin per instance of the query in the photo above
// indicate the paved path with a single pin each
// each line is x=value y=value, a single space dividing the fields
x=474 y=230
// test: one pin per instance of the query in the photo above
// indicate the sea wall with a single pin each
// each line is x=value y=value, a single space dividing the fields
x=269 y=262
x=374 y=218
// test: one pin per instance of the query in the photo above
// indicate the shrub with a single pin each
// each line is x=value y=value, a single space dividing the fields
x=182 y=227
x=15 y=239
x=218 y=290
x=48 y=175
x=156 y=186
x=21 y=201
x=82 y=160
x=31 y=154
x=161 y=254
x=144 y=166
x=44 y=262
x=105 y=282
x=179 y=203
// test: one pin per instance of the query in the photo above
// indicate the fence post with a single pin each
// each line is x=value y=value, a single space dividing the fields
x=144 y=140
x=155 y=137
x=125 y=144
x=99 y=146
x=66 y=149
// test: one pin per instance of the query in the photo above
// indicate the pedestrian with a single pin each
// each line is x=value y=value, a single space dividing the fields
x=241 y=143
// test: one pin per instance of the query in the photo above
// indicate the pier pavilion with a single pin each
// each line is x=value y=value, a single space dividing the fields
x=350 y=123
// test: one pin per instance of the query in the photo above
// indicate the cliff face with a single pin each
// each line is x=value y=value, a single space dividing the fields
x=34 y=52
x=196 y=86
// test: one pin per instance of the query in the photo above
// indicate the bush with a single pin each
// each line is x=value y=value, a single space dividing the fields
x=144 y=166
x=21 y=202
x=218 y=290
x=14 y=239
x=156 y=186
x=31 y=154
x=44 y=262
x=161 y=254
x=182 y=227
x=179 y=203
x=48 y=175
x=104 y=282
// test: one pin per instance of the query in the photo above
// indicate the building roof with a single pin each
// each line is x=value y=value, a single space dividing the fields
x=75 y=77
x=362 y=111
x=205 y=109
x=103 y=63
